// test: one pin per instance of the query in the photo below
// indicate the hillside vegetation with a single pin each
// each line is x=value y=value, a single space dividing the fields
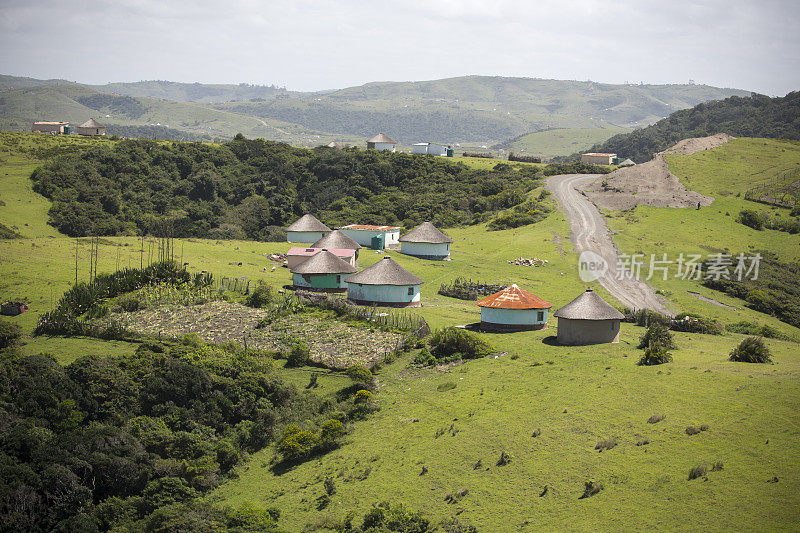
x=753 y=116
x=557 y=142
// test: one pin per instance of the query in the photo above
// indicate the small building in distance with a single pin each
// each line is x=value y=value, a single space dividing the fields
x=427 y=242
x=322 y=272
x=336 y=240
x=299 y=254
x=381 y=142
x=428 y=148
x=588 y=319
x=376 y=237
x=385 y=284
x=333 y=144
x=92 y=128
x=306 y=229
x=513 y=309
x=594 y=158
x=57 y=128
x=627 y=163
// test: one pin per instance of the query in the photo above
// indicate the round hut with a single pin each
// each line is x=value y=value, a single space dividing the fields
x=322 y=272
x=427 y=242
x=513 y=309
x=336 y=240
x=92 y=128
x=384 y=284
x=306 y=229
x=588 y=319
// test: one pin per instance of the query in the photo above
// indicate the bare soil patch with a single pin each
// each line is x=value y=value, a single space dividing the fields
x=331 y=341
x=652 y=183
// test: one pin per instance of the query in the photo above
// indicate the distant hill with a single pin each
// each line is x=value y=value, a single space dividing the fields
x=557 y=141
x=470 y=109
x=753 y=116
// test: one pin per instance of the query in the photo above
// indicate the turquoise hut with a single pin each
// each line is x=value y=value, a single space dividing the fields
x=322 y=272
x=384 y=284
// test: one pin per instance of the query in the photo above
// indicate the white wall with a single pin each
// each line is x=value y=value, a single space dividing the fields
x=364 y=237
x=384 y=293
x=426 y=249
x=305 y=237
x=421 y=148
x=513 y=317
x=384 y=146
x=436 y=149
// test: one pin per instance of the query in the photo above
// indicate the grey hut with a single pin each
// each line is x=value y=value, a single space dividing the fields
x=306 y=229
x=92 y=127
x=322 y=272
x=426 y=241
x=588 y=319
x=336 y=240
x=384 y=284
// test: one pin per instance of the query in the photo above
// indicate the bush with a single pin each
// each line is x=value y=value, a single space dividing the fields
x=606 y=444
x=459 y=342
x=9 y=333
x=751 y=350
x=385 y=517
x=659 y=336
x=692 y=323
x=362 y=396
x=360 y=374
x=261 y=296
x=129 y=303
x=654 y=355
x=299 y=355
x=590 y=488
x=697 y=471
x=758 y=330
x=752 y=219
x=655 y=419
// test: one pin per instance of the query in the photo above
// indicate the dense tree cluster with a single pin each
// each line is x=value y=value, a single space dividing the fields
x=133 y=441
x=251 y=188
x=753 y=116
x=156 y=132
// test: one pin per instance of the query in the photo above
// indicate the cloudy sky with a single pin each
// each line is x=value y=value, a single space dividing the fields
x=325 y=44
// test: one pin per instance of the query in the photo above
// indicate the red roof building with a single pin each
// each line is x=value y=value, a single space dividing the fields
x=513 y=309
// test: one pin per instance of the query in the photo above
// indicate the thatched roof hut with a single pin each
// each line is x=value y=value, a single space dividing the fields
x=588 y=319
x=385 y=283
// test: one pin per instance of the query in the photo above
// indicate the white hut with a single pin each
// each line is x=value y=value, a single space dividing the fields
x=306 y=229
x=57 y=128
x=381 y=142
x=384 y=284
x=588 y=319
x=513 y=309
x=363 y=234
x=322 y=272
x=428 y=149
x=92 y=128
x=427 y=242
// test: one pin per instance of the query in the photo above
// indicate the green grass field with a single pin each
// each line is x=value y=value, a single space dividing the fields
x=575 y=395
x=555 y=142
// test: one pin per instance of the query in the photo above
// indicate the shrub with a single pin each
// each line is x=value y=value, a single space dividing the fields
x=657 y=334
x=751 y=350
x=192 y=339
x=590 y=488
x=296 y=443
x=129 y=303
x=299 y=355
x=654 y=355
x=691 y=430
x=386 y=517
x=9 y=333
x=261 y=296
x=424 y=358
x=697 y=471
x=453 y=341
x=692 y=323
x=362 y=396
x=360 y=374
x=655 y=419
x=752 y=219
x=606 y=444
x=758 y=330
x=504 y=459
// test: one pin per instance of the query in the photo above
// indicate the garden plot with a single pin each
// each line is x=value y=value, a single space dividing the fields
x=331 y=341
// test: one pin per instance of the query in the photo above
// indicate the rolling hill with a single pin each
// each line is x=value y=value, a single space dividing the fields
x=473 y=110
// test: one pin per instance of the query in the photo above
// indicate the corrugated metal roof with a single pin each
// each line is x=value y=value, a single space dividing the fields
x=426 y=232
x=588 y=306
x=382 y=138
x=336 y=239
x=308 y=222
x=513 y=297
x=324 y=262
x=370 y=227
x=313 y=250
x=385 y=272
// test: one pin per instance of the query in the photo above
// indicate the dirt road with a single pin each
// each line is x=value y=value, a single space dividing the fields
x=590 y=233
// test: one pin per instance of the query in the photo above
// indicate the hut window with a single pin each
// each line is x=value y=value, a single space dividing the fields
x=307 y=278
x=338 y=279
x=540 y=316
x=411 y=291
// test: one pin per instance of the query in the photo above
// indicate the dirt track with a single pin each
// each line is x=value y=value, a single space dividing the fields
x=589 y=232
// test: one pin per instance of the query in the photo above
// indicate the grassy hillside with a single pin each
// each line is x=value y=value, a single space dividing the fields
x=192 y=92
x=557 y=142
x=575 y=396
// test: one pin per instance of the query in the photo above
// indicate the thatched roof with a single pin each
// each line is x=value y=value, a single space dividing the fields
x=385 y=272
x=382 y=138
x=513 y=297
x=92 y=123
x=426 y=232
x=308 y=223
x=333 y=144
x=336 y=239
x=324 y=262
x=588 y=306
